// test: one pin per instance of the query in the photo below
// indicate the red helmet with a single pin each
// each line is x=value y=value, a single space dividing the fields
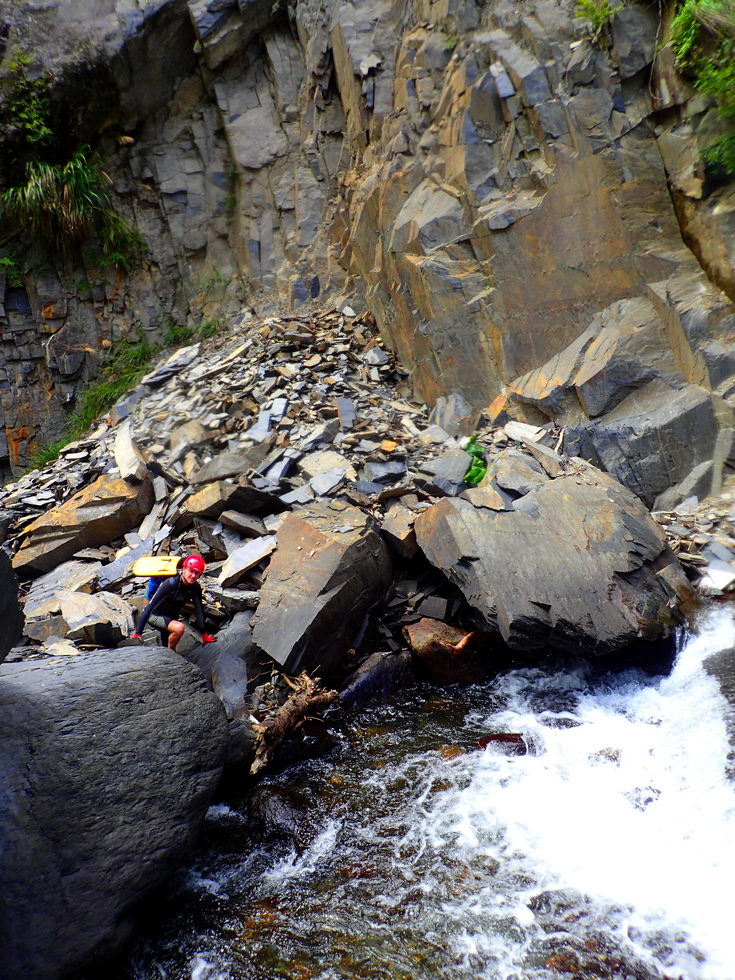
x=195 y=562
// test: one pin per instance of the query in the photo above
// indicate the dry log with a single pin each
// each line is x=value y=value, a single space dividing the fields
x=307 y=700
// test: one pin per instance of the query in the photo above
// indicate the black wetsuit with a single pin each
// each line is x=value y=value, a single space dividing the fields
x=169 y=599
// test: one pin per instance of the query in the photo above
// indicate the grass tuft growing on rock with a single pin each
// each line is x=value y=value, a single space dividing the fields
x=599 y=13
x=69 y=202
x=124 y=367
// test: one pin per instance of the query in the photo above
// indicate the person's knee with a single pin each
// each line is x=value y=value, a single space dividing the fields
x=176 y=629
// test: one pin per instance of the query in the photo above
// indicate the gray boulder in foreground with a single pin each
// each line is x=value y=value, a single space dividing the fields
x=108 y=762
x=11 y=618
x=578 y=565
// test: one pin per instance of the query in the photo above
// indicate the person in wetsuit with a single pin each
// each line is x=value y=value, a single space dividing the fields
x=171 y=595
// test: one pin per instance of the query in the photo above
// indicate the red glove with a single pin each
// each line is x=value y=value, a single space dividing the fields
x=135 y=636
x=206 y=638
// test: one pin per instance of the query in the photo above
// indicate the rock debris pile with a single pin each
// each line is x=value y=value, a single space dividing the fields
x=290 y=454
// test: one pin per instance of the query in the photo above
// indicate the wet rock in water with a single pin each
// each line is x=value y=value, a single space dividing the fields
x=578 y=565
x=448 y=654
x=228 y=666
x=108 y=761
x=98 y=514
x=279 y=812
x=381 y=676
x=329 y=566
x=10 y=615
x=508 y=743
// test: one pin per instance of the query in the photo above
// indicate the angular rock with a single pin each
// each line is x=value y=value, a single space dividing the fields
x=103 y=618
x=447 y=471
x=108 y=763
x=324 y=461
x=244 y=558
x=237 y=463
x=11 y=616
x=324 y=483
x=98 y=514
x=515 y=472
x=440 y=650
x=454 y=414
x=628 y=441
x=397 y=529
x=330 y=565
x=128 y=457
x=575 y=569
x=212 y=499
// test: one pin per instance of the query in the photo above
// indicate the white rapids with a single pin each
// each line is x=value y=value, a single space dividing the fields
x=607 y=850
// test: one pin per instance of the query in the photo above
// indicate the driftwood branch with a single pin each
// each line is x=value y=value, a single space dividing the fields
x=308 y=699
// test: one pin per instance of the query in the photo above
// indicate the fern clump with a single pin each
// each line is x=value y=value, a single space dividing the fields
x=69 y=202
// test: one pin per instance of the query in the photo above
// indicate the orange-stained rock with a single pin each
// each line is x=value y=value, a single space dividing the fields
x=98 y=514
x=450 y=655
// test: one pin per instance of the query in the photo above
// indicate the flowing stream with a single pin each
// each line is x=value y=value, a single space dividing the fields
x=607 y=850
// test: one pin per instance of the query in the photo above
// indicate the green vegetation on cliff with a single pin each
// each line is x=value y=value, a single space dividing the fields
x=599 y=13
x=69 y=202
x=125 y=365
x=26 y=104
x=703 y=42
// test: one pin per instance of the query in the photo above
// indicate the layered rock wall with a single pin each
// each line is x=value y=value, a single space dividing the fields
x=487 y=178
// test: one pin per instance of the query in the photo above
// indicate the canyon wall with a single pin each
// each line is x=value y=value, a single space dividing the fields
x=523 y=208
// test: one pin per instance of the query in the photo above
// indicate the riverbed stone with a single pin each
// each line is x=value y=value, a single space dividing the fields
x=109 y=761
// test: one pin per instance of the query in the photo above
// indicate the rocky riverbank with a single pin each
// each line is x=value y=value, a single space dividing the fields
x=345 y=555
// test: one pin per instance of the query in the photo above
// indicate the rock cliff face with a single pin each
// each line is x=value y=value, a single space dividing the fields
x=499 y=190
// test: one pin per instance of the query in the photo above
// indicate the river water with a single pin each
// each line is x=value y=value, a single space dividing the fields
x=607 y=850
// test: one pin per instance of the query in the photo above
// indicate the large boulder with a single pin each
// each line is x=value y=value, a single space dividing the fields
x=10 y=614
x=577 y=564
x=329 y=567
x=108 y=763
x=98 y=514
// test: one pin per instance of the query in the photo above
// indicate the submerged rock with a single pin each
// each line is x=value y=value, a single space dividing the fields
x=108 y=762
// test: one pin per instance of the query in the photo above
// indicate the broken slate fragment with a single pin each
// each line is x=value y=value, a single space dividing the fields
x=375 y=357
x=447 y=471
x=128 y=456
x=98 y=514
x=74 y=576
x=455 y=415
x=259 y=431
x=346 y=410
x=384 y=472
x=171 y=366
x=102 y=618
x=245 y=558
x=324 y=483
